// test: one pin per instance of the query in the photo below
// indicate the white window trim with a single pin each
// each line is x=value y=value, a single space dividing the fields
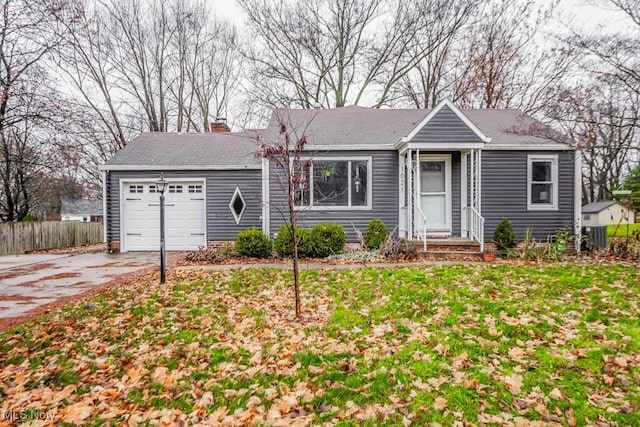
x=553 y=158
x=368 y=207
x=237 y=217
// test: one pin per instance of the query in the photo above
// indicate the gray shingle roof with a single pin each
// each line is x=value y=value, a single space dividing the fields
x=596 y=207
x=347 y=126
x=513 y=127
x=206 y=150
x=358 y=125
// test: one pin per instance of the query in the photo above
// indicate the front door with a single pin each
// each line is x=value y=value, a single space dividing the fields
x=435 y=193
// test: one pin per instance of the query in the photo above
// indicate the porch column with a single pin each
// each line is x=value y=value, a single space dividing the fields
x=402 y=199
x=409 y=194
x=464 y=198
x=475 y=175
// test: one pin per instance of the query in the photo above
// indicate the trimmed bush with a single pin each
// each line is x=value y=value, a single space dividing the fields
x=376 y=234
x=283 y=243
x=253 y=243
x=327 y=238
x=504 y=237
x=318 y=242
x=305 y=244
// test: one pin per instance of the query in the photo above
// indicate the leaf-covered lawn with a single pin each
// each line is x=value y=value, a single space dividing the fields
x=486 y=345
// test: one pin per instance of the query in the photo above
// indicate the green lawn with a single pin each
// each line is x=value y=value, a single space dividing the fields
x=487 y=345
x=615 y=230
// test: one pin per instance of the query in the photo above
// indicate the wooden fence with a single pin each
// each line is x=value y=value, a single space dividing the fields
x=21 y=237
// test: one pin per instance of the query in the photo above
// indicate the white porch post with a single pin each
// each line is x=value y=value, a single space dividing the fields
x=402 y=208
x=409 y=164
x=464 y=228
x=479 y=172
x=416 y=193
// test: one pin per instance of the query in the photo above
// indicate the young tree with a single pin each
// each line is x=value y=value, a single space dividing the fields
x=284 y=156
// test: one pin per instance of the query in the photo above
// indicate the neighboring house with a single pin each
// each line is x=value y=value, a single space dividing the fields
x=605 y=213
x=440 y=172
x=84 y=210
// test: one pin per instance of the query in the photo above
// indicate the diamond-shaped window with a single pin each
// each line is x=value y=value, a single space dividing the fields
x=237 y=205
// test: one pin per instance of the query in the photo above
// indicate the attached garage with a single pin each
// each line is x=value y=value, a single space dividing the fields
x=215 y=190
x=185 y=213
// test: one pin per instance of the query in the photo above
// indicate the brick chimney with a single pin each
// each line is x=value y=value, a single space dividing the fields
x=220 y=125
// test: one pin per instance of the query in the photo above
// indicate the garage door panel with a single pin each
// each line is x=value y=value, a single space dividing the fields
x=184 y=216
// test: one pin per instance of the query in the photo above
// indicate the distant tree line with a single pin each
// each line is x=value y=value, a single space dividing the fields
x=78 y=78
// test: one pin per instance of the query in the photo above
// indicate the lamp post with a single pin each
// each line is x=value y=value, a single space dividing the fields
x=161 y=186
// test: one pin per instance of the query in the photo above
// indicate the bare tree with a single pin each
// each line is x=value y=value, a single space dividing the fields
x=285 y=156
x=208 y=70
x=431 y=79
x=28 y=34
x=142 y=65
x=335 y=53
x=602 y=110
x=603 y=120
x=502 y=66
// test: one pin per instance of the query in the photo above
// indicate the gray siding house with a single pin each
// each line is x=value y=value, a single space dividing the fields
x=427 y=173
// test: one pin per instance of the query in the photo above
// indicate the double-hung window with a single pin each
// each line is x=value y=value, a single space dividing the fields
x=335 y=183
x=542 y=182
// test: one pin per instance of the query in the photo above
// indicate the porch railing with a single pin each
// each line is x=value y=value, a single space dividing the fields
x=421 y=232
x=476 y=226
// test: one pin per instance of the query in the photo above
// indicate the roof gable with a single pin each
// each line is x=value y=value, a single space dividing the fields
x=446 y=123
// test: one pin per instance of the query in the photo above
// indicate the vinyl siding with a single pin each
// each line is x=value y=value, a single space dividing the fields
x=220 y=186
x=384 y=197
x=504 y=194
x=446 y=126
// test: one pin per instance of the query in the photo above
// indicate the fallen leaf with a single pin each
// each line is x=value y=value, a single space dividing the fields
x=440 y=403
x=556 y=394
x=76 y=413
x=513 y=383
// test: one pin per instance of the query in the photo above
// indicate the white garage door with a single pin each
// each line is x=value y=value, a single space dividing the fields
x=184 y=216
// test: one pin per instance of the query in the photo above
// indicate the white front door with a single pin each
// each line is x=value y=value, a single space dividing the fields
x=434 y=187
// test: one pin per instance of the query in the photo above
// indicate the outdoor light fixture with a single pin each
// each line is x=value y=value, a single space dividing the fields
x=357 y=181
x=161 y=186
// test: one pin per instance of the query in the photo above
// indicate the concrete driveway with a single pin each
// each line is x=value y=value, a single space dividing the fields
x=29 y=282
